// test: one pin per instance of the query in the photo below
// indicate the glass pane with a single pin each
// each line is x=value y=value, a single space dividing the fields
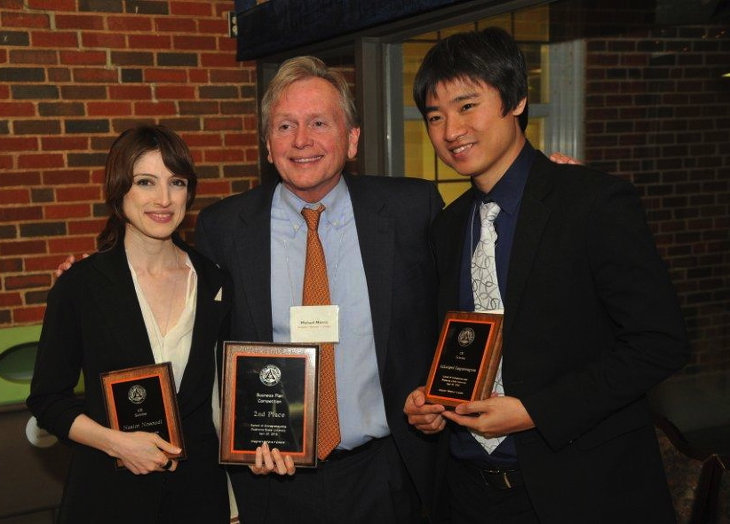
x=413 y=53
x=445 y=172
x=471 y=26
x=419 y=155
x=534 y=133
x=532 y=25
x=503 y=21
x=533 y=59
x=450 y=191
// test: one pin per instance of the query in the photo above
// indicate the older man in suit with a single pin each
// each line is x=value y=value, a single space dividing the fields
x=380 y=272
x=591 y=321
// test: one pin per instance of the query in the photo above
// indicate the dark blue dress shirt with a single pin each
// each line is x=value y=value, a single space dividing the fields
x=507 y=193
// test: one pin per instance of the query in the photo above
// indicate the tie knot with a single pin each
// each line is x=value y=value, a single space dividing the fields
x=489 y=211
x=311 y=216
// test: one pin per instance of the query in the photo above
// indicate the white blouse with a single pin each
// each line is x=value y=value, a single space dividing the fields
x=174 y=347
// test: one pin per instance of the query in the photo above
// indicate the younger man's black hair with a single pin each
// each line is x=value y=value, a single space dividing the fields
x=490 y=56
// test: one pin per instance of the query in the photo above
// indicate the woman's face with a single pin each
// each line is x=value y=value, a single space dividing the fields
x=155 y=204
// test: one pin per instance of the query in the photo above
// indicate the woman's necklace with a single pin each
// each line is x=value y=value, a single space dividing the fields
x=162 y=331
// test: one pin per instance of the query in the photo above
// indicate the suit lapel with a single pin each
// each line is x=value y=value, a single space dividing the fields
x=533 y=217
x=253 y=261
x=449 y=240
x=208 y=318
x=376 y=236
x=117 y=301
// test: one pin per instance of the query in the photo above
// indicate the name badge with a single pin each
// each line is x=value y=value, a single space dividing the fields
x=314 y=323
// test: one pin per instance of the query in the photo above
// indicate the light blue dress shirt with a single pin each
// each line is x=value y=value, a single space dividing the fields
x=359 y=397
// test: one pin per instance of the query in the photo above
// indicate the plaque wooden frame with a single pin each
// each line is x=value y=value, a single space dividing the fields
x=262 y=353
x=171 y=415
x=464 y=384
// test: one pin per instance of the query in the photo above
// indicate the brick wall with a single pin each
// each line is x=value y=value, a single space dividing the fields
x=73 y=75
x=658 y=114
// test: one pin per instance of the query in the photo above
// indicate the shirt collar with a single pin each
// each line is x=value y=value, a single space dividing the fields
x=507 y=192
x=335 y=203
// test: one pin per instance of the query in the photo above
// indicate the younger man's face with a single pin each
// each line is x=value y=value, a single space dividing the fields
x=469 y=133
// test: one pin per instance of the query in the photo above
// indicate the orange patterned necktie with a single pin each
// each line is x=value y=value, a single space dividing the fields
x=316 y=292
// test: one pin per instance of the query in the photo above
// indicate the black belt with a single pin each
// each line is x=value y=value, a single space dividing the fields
x=339 y=454
x=498 y=477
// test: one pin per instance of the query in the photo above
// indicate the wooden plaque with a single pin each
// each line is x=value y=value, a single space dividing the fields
x=269 y=395
x=467 y=358
x=143 y=399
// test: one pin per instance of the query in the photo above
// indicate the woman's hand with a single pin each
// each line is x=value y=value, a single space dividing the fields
x=142 y=452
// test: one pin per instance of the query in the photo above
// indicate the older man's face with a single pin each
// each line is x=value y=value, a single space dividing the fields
x=308 y=139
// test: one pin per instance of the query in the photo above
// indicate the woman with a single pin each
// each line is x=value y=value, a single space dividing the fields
x=144 y=298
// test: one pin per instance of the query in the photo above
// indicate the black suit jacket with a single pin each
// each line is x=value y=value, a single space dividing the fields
x=94 y=323
x=591 y=323
x=392 y=217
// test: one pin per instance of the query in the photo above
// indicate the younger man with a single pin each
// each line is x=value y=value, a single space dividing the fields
x=591 y=319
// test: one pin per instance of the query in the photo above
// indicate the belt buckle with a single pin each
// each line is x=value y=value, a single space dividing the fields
x=490 y=477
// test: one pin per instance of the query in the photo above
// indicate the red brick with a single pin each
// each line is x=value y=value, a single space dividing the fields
x=79 y=22
x=27 y=281
x=72 y=245
x=194 y=42
x=10 y=299
x=105 y=40
x=218 y=59
x=202 y=140
x=68 y=176
x=124 y=24
x=190 y=8
x=6 y=162
x=83 y=227
x=40 y=161
x=10 y=19
x=83 y=57
x=155 y=108
x=242 y=139
x=175 y=25
x=219 y=27
x=223 y=155
x=64 y=143
x=228 y=76
x=155 y=42
x=20 y=247
x=122 y=92
x=109 y=108
x=199 y=76
x=221 y=124
x=214 y=187
x=11 y=4
x=54 y=39
x=52 y=5
x=67 y=211
x=229 y=44
x=14 y=196
x=43 y=263
x=9 y=109
x=28 y=315
x=33 y=56
x=175 y=76
x=78 y=194
x=20 y=178
x=95 y=75
x=175 y=92
x=10 y=143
